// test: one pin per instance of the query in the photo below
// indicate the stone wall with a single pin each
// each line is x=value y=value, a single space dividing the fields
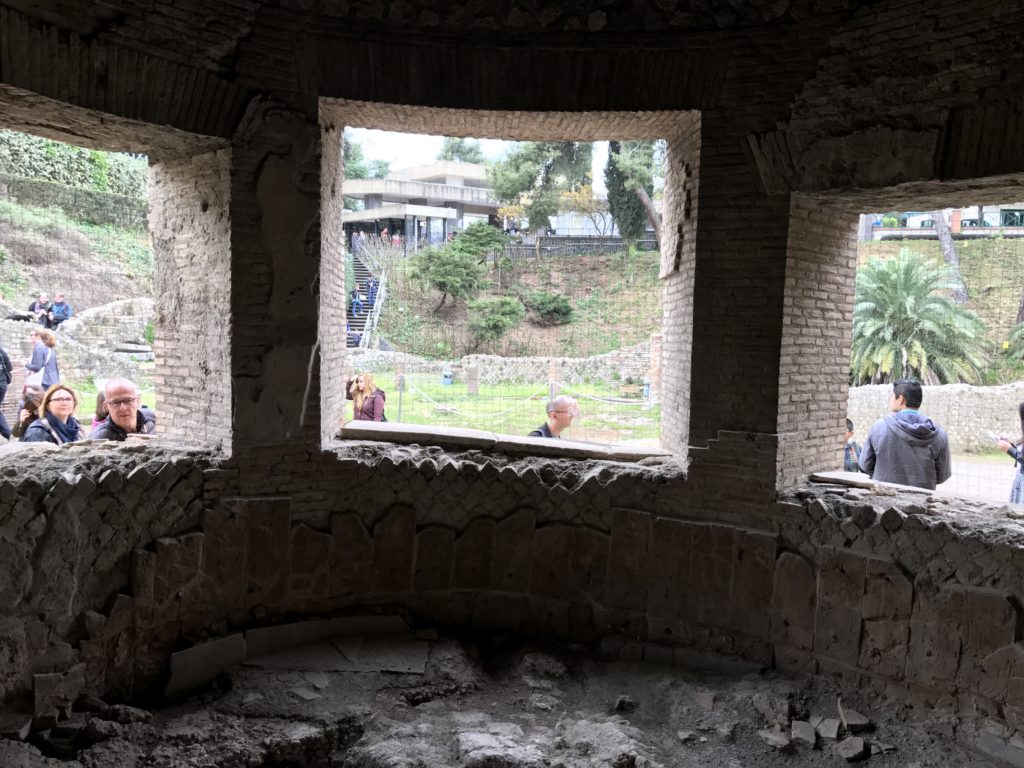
x=967 y=413
x=908 y=594
x=621 y=364
x=79 y=204
x=190 y=227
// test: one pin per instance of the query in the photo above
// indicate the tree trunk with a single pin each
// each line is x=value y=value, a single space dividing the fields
x=950 y=256
x=652 y=214
x=1020 y=309
x=981 y=215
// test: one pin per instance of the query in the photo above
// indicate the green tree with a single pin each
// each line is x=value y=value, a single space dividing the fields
x=904 y=324
x=490 y=319
x=479 y=240
x=629 y=178
x=463 y=150
x=536 y=174
x=357 y=166
x=455 y=273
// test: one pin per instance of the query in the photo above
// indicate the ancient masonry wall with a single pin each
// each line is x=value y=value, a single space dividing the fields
x=903 y=593
x=333 y=337
x=817 y=322
x=678 y=263
x=190 y=226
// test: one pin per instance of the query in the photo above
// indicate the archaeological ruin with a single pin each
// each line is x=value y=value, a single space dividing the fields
x=252 y=523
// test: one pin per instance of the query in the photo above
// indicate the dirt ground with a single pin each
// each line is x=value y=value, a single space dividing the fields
x=494 y=703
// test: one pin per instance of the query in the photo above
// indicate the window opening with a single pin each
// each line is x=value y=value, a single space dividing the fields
x=487 y=282
x=76 y=261
x=945 y=306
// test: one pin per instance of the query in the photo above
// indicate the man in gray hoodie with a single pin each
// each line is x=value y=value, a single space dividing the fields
x=906 y=447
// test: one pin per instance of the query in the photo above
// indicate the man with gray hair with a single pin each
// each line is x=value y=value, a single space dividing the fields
x=561 y=411
x=124 y=414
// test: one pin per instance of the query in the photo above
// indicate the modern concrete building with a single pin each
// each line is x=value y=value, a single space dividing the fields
x=422 y=203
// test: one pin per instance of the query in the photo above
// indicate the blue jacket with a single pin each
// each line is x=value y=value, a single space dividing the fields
x=62 y=311
x=51 y=373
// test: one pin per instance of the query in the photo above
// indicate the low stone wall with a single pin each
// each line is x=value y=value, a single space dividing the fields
x=618 y=365
x=967 y=413
x=902 y=593
x=79 y=204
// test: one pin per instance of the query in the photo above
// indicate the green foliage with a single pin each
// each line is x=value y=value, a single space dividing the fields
x=22 y=154
x=12 y=281
x=463 y=150
x=490 y=319
x=130 y=250
x=479 y=241
x=537 y=174
x=551 y=308
x=1017 y=342
x=630 y=166
x=455 y=272
x=903 y=326
x=149 y=333
x=356 y=166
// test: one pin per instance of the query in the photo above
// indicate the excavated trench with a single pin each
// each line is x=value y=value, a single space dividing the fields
x=500 y=703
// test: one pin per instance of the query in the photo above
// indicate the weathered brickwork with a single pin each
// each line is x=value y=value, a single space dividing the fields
x=190 y=226
x=817 y=323
x=112 y=558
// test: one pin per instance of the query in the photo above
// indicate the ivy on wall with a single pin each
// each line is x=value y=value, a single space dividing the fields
x=23 y=154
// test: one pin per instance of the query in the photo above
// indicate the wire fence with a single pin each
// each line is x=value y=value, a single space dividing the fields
x=78 y=264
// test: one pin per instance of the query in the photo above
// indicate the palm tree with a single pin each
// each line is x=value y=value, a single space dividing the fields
x=905 y=325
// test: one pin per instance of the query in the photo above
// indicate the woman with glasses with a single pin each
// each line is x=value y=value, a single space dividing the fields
x=56 y=423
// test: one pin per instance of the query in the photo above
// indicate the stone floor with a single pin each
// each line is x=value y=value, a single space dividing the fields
x=403 y=702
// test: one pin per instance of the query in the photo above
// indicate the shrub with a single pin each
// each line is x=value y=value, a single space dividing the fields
x=490 y=319
x=550 y=308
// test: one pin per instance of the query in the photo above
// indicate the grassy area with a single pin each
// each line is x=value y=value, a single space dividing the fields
x=616 y=302
x=518 y=408
x=130 y=250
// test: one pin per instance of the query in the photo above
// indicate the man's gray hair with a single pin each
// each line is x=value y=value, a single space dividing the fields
x=561 y=400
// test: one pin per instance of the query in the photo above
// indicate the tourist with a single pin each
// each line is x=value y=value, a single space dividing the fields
x=29 y=410
x=851 y=451
x=371 y=291
x=561 y=412
x=355 y=303
x=906 y=447
x=56 y=423
x=6 y=374
x=59 y=311
x=42 y=365
x=101 y=410
x=367 y=399
x=39 y=308
x=1016 y=452
x=124 y=414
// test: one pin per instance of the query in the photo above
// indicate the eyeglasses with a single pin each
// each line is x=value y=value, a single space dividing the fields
x=124 y=403
x=62 y=399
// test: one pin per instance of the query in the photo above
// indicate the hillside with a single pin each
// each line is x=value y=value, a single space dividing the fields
x=45 y=249
x=615 y=303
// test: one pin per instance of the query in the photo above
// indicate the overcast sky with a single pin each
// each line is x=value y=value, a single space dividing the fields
x=406 y=149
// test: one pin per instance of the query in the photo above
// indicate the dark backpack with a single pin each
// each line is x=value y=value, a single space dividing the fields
x=6 y=374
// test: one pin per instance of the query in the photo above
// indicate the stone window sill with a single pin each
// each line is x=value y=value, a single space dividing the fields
x=477 y=439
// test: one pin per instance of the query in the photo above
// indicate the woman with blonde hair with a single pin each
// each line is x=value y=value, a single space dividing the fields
x=1016 y=452
x=42 y=365
x=56 y=423
x=367 y=399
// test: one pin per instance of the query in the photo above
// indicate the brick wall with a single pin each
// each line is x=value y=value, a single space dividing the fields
x=190 y=226
x=817 y=323
x=333 y=299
